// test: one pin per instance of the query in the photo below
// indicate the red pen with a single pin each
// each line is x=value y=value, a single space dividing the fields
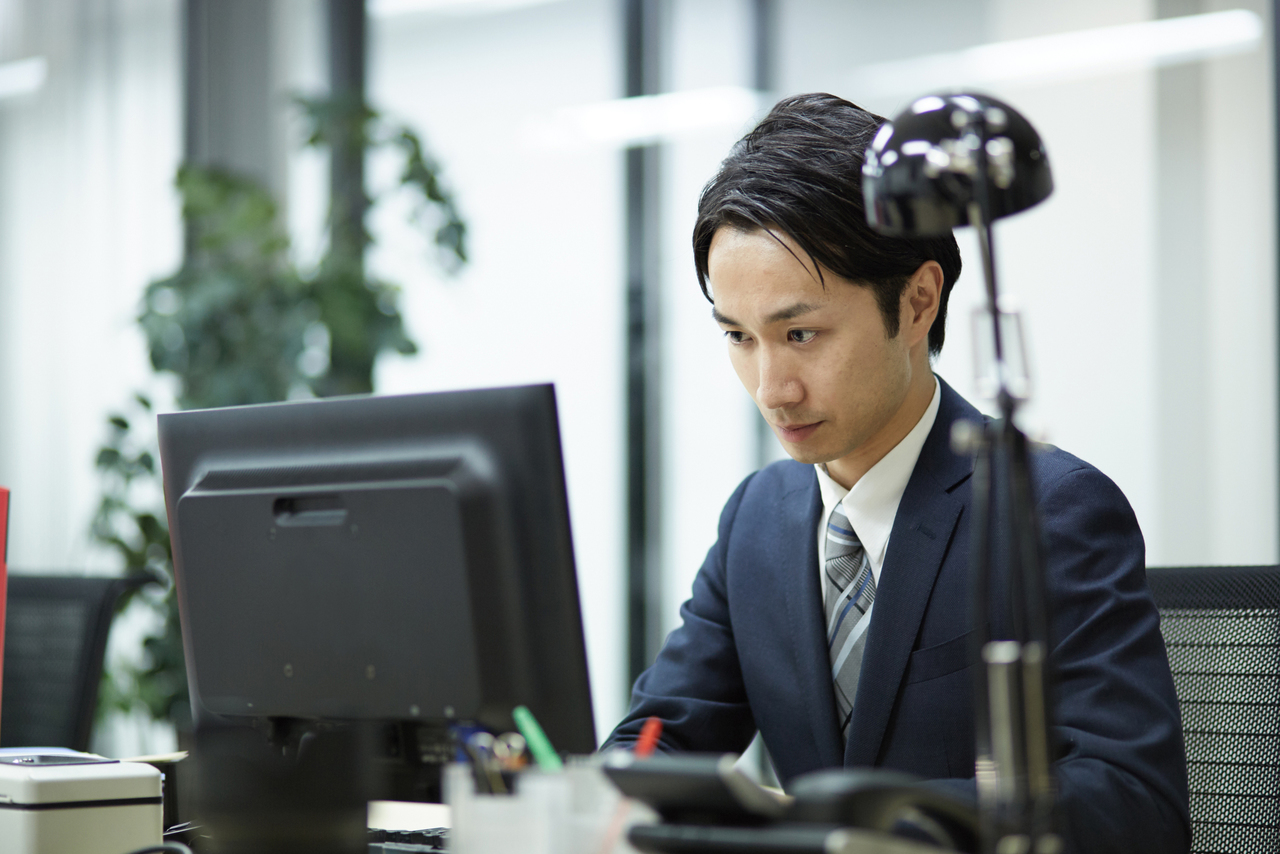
x=648 y=737
x=644 y=746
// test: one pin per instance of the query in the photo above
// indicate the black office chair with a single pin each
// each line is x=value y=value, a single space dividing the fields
x=1221 y=627
x=55 y=642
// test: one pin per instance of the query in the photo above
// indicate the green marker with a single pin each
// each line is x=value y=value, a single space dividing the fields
x=539 y=745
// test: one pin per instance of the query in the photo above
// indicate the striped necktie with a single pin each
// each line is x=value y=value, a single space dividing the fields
x=849 y=591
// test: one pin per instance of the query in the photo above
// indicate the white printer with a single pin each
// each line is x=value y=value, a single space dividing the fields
x=63 y=802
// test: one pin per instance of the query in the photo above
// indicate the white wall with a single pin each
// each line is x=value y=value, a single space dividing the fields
x=87 y=216
x=1239 y=175
x=542 y=300
x=708 y=433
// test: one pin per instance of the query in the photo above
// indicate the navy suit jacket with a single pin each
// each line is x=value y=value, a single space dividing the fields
x=751 y=653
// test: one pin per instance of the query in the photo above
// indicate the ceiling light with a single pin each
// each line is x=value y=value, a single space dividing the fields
x=647 y=118
x=393 y=8
x=1066 y=56
x=22 y=77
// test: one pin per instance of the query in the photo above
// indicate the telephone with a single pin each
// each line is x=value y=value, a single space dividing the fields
x=707 y=805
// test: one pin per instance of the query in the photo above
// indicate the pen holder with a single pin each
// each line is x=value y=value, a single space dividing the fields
x=598 y=814
x=574 y=811
x=533 y=819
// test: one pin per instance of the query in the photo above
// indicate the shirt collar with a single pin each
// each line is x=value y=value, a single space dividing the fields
x=872 y=503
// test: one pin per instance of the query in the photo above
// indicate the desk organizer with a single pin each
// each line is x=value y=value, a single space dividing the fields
x=67 y=802
x=574 y=811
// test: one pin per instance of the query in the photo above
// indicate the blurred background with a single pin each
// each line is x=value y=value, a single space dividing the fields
x=541 y=234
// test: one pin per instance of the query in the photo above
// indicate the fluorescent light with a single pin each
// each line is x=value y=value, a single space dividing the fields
x=647 y=118
x=393 y=8
x=22 y=77
x=1066 y=56
x=652 y=118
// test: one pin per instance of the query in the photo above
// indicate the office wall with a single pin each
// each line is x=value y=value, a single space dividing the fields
x=1239 y=177
x=87 y=217
x=709 y=422
x=542 y=299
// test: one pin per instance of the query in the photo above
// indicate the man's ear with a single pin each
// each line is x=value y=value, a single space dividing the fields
x=920 y=302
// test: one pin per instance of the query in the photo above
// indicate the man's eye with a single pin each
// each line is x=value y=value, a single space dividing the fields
x=801 y=336
x=734 y=336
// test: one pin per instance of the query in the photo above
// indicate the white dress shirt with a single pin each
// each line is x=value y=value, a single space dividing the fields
x=872 y=503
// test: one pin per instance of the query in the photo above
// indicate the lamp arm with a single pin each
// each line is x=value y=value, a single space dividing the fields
x=944 y=160
x=1012 y=715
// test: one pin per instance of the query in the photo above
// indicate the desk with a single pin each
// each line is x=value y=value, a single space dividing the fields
x=783 y=839
x=406 y=815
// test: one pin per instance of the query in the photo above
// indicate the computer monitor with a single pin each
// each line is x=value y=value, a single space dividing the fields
x=400 y=559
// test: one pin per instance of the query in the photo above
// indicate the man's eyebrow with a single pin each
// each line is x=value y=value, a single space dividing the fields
x=789 y=313
x=720 y=318
x=792 y=311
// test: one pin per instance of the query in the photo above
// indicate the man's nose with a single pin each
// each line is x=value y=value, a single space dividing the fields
x=778 y=386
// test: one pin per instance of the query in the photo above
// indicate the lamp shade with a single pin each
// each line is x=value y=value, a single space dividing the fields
x=920 y=171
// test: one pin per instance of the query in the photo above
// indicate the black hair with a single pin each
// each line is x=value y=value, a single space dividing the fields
x=800 y=172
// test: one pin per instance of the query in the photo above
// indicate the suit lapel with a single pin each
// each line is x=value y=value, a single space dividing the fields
x=927 y=517
x=800 y=508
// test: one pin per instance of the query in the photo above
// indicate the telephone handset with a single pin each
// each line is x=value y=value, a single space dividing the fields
x=708 y=805
x=889 y=801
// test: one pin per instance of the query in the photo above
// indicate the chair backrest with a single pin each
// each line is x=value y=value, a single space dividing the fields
x=55 y=641
x=1221 y=627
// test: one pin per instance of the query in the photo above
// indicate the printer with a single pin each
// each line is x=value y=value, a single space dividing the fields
x=60 y=801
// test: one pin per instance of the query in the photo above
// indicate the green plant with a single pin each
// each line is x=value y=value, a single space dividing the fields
x=360 y=314
x=130 y=520
x=237 y=324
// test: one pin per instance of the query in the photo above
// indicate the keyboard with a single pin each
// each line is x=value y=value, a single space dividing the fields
x=408 y=841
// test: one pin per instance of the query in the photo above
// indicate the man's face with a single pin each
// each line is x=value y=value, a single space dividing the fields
x=817 y=360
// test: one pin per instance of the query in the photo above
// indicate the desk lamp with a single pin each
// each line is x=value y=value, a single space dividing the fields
x=946 y=161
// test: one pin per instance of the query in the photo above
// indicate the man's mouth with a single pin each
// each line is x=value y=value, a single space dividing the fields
x=797 y=432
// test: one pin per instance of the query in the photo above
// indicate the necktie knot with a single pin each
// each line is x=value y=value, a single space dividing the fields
x=841 y=538
x=845 y=557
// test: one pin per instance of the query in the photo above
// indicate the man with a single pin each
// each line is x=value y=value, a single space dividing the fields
x=832 y=612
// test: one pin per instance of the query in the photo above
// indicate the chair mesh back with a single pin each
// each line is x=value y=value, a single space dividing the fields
x=55 y=638
x=44 y=654
x=1221 y=627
